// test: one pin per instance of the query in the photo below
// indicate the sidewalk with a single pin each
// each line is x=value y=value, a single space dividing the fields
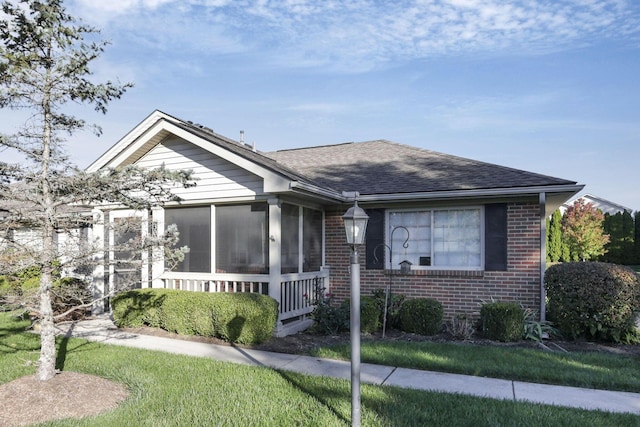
x=103 y=330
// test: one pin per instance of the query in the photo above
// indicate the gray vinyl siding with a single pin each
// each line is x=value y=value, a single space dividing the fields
x=217 y=178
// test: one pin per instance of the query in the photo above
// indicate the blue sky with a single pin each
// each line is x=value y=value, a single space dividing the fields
x=549 y=86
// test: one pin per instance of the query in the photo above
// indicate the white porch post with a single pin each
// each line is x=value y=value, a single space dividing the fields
x=145 y=280
x=157 y=257
x=98 y=279
x=275 y=262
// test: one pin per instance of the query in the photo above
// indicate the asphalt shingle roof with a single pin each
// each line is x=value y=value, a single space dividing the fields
x=384 y=167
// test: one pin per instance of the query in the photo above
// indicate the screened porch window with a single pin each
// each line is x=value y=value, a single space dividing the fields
x=438 y=238
x=301 y=239
x=312 y=240
x=194 y=226
x=241 y=238
x=242 y=244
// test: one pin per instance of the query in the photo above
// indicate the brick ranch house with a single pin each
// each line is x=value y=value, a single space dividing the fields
x=272 y=222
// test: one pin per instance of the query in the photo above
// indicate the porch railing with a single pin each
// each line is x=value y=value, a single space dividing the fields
x=295 y=288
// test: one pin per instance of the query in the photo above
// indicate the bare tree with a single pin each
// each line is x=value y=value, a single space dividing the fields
x=44 y=67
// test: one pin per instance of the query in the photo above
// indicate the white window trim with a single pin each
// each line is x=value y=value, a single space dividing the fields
x=387 y=237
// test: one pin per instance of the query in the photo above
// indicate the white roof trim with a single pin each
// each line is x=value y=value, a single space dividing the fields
x=457 y=194
x=158 y=122
x=126 y=140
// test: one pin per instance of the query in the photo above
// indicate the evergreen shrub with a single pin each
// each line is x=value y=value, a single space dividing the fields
x=369 y=315
x=139 y=307
x=235 y=317
x=594 y=300
x=394 y=302
x=502 y=321
x=244 y=318
x=421 y=316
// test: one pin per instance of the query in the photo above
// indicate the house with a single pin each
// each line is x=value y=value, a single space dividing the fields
x=272 y=222
x=603 y=205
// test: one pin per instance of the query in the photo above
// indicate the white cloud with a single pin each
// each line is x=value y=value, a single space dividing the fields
x=362 y=34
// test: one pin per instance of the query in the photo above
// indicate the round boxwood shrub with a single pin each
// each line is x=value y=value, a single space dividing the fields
x=593 y=300
x=421 y=316
x=502 y=321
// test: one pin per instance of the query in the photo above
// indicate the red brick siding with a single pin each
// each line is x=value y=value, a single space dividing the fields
x=459 y=292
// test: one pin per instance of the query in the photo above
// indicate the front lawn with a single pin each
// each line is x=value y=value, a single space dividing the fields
x=173 y=390
x=592 y=370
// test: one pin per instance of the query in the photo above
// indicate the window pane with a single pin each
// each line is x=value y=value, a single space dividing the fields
x=194 y=226
x=290 y=234
x=418 y=250
x=456 y=238
x=312 y=240
x=241 y=239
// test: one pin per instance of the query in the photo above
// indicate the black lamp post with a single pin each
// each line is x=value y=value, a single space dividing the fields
x=355 y=225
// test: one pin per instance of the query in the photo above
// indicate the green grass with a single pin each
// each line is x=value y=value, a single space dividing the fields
x=592 y=370
x=173 y=390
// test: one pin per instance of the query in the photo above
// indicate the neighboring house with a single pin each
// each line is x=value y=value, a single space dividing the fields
x=272 y=222
x=605 y=206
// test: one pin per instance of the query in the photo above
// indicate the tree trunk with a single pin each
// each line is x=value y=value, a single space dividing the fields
x=47 y=362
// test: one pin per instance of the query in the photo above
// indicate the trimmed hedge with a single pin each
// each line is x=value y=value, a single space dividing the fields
x=242 y=318
x=502 y=321
x=421 y=316
x=593 y=300
x=140 y=307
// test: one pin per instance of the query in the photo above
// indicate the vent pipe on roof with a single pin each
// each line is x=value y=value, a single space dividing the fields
x=253 y=146
x=241 y=137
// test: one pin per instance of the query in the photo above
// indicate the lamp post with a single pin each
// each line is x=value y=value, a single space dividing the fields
x=355 y=225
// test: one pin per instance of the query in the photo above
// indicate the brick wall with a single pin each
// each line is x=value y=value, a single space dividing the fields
x=460 y=292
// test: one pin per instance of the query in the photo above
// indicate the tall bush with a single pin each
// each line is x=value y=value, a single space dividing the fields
x=421 y=316
x=593 y=300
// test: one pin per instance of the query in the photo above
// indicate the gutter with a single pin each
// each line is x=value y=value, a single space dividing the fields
x=456 y=194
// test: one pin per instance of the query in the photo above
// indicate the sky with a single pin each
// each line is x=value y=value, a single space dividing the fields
x=547 y=86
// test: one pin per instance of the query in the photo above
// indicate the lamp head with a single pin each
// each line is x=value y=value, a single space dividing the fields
x=355 y=224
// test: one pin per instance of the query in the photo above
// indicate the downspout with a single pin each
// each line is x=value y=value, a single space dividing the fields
x=543 y=254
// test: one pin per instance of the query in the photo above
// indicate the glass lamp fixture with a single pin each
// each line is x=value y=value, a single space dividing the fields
x=355 y=224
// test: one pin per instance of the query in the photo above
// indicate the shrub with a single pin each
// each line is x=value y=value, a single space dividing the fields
x=421 y=316
x=140 y=307
x=329 y=318
x=594 y=300
x=70 y=292
x=394 y=302
x=244 y=318
x=462 y=327
x=188 y=313
x=369 y=314
x=502 y=321
x=537 y=330
x=239 y=317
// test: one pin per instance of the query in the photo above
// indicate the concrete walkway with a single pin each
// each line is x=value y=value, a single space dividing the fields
x=103 y=330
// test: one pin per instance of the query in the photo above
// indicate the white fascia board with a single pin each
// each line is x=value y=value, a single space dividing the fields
x=127 y=147
x=126 y=140
x=462 y=194
x=324 y=193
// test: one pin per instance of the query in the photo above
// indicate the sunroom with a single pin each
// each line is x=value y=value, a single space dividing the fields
x=250 y=225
